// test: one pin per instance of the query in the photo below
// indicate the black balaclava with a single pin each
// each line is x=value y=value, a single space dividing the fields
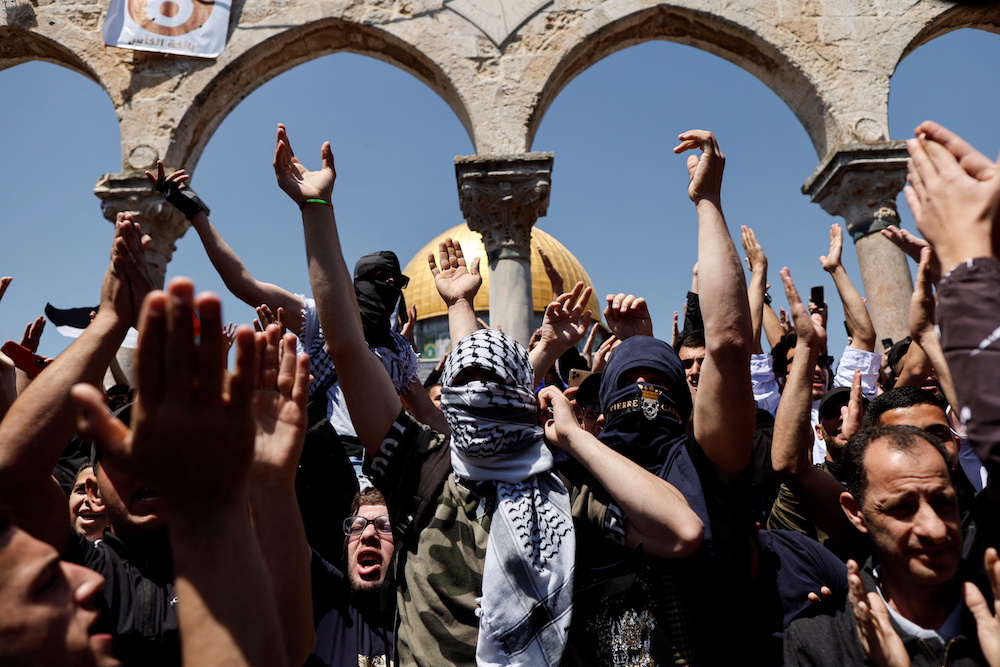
x=377 y=298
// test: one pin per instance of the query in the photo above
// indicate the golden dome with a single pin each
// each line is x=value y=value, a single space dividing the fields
x=422 y=292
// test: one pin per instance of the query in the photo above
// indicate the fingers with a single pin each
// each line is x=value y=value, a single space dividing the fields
x=210 y=359
x=4 y=284
x=432 y=264
x=150 y=363
x=474 y=266
x=973 y=162
x=992 y=562
x=245 y=369
x=269 y=364
x=326 y=155
x=702 y=139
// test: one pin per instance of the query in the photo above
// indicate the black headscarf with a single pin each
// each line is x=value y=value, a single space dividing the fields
x=377 y=298
x=647 y=423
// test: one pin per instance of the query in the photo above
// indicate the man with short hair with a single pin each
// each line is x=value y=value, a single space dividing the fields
x=691 y=350
x=900 y=495
x=352 y=627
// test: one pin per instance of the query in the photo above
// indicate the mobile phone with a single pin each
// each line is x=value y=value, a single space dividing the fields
x=886 y=343
x=816 y=295
x=23 y=358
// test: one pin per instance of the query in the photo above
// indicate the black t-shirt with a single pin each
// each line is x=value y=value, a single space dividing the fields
x=139 y=600
x=345 y=633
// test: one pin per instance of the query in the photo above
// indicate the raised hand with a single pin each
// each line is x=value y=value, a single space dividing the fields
x=177 y=192
x=33 y=334
x=266 y=317
x=954 y=193
x=4 y=284
x=756 y=259
x=567 y=318
x=555 y=278
x=182 y=406
x=905 y=240
x=298 y=182
x=279 y=407
x=705 y=171
x=831 y=260
x=628 y=316
x=603 y=353
x=411 y=323
x=878 y=638
x=455 y=279
x=852 y=415
x=806 y=328
x=987 y=622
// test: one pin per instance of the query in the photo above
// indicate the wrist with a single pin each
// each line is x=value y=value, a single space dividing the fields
x=315 y=201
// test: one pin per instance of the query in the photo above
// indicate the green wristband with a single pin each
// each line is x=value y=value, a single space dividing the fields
x=314 y=201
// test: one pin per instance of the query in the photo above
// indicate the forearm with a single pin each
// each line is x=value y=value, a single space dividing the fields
x=916 y=367
x=755 y=298
x=724 y=414
x=371 y=398
x=931 y=345
x=237 y=276
x=657 y=515
x=37 y=427
x=228 y=616
x=855 y=311
x=968 y=304
x=772 y=326
x=792 y=441
x=542 y=357
x=282 y=538
x=461 y=320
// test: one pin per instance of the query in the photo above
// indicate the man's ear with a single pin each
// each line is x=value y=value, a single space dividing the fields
x=94 y=495
x=853 y=511
x=820 y=433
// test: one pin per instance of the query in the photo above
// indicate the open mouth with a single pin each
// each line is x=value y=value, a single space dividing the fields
x=90 y=518
x=369 y=563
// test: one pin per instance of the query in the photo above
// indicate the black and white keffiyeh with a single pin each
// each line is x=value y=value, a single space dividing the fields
x=528 y=573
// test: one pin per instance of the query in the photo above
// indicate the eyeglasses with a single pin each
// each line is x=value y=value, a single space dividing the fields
x=590 y=411
x=383 y=277
x=355 y=525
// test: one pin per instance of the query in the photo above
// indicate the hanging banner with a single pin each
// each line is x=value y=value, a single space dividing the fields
x=184 y=27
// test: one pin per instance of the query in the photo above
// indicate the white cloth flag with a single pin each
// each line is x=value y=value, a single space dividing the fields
x=184 y=27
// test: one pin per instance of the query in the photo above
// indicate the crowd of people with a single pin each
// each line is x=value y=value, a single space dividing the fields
x=691 y=502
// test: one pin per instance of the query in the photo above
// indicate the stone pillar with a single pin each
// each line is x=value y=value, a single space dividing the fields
x=501 y=198
x=120 y=193
x=860 y=183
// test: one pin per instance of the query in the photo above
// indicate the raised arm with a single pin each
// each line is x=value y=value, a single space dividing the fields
x=791 y=445
x=656 y=514
x=855 y=310
x=192 y=436
x=724 y=411
x=279 y=408
x=564 y=324
x=457 y=281
x=227 y=263
x=757 y=263
x=371 y=398
x=38 y=426
x=954 y=193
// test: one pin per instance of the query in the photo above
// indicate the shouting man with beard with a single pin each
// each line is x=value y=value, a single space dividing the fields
x=352 y=628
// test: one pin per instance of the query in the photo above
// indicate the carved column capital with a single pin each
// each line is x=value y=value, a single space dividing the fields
x=502 y=197
x=860 y=183
x=131 y=193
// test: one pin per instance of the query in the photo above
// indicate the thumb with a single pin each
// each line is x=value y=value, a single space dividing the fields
x=94 y=420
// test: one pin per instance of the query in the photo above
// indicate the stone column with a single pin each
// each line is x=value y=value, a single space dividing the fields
x=501 y=198
x=121 y=193
x=860 y=183
x=127 y=192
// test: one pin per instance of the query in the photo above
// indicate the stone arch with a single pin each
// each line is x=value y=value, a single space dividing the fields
x=18 y=46
x=287 y=49
x=983 y=17
x=734 y=42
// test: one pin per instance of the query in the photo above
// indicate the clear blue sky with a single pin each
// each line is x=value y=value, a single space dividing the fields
x=618 y=193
